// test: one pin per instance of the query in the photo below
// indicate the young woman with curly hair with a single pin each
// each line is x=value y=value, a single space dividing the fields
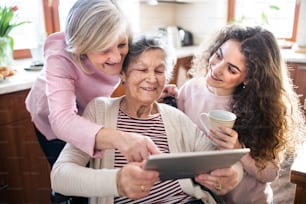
x=242 y=71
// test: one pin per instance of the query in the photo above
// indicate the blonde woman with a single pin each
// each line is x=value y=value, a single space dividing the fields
x=82 y=63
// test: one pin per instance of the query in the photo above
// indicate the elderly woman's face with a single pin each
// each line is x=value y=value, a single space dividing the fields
x=145 y=77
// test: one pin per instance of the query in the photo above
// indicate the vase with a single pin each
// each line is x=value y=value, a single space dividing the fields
x=6 y=52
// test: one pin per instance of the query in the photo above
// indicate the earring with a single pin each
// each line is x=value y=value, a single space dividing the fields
x=243 y=86
x=122 y=82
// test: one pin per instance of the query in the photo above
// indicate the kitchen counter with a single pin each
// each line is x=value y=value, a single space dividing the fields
x=294 y=57
x=23 y=79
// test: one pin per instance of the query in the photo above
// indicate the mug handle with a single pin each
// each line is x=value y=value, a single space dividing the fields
x=202 y=122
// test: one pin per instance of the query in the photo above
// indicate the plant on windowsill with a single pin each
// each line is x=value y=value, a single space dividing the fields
x=7 y=23
x=262 y=17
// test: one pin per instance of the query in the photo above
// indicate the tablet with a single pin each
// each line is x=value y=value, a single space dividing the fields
x=188 y=164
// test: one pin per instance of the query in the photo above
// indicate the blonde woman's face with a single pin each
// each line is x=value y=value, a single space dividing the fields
x=227 y=68
x=145 y=77
x=110 y=60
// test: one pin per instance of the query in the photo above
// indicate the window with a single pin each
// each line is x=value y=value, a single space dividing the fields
x=279 y=16
x=31 y=34
x=48 y=16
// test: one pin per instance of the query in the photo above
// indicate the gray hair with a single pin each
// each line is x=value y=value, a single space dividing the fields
x=94 y=25
x=145 y=42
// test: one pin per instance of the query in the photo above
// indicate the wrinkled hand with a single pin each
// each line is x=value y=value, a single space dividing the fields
x=222 y=181
x=169 y=90
x=136 y=147
x=134 y=182
x=227 y=139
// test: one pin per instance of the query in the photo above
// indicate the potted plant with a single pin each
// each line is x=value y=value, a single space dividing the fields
x=7 y=23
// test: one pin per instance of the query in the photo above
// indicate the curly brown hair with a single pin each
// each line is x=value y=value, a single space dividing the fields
x=269 y=117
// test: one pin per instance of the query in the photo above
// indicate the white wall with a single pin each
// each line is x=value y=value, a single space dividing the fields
x=202 y=18
x=152 y=17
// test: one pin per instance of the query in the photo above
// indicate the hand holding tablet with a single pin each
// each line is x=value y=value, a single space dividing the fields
x=188 y=164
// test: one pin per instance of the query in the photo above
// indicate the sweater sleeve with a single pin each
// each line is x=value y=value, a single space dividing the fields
x=181 y=96
x=268 y=174
x=64 y=120
x=70 y=176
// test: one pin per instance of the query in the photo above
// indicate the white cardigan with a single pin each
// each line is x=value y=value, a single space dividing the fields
x=70 y=176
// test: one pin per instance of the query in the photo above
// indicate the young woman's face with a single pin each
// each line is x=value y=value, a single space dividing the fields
x=110 y=60
x=146 y=77
x=226 y=68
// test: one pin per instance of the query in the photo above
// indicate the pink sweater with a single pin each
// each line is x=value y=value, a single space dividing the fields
x=194 y=98
x=60 y=94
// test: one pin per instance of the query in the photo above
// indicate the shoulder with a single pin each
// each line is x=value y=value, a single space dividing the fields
x=98 y=102
x=197 y=82
x=172 y=113
x=58 y=37
x=55 y=44
x=102 y=108
x=193 y=84
x=165 y=108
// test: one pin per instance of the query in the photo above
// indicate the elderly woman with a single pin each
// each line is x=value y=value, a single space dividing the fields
x=112 y=179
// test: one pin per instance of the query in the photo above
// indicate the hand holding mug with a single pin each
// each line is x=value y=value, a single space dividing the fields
x=219 y=128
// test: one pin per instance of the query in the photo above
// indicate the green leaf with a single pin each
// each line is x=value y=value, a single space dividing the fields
x=11 y=41
x=274 y=7
x=6 y=18
x=264 y=19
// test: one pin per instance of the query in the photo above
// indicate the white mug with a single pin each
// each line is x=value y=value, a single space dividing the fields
x=216 y=118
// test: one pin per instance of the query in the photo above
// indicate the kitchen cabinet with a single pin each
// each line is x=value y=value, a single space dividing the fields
x=298 y=173
x=185 y=64
x=298 y=75
x=24 y=170
x=298 y=176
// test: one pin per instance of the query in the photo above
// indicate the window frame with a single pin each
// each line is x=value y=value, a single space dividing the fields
x=231 y=15
x=51 y=17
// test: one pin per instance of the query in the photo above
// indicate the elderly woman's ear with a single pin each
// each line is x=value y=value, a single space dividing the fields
x=122 y=77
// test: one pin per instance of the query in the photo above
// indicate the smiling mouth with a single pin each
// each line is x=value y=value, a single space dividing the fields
x=111 y=64
x=212 y=76
x=148 y=89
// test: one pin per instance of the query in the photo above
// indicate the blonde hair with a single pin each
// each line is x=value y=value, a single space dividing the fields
x=93 y=25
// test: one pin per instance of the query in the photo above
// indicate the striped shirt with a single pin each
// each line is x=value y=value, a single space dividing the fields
x=166 y=192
